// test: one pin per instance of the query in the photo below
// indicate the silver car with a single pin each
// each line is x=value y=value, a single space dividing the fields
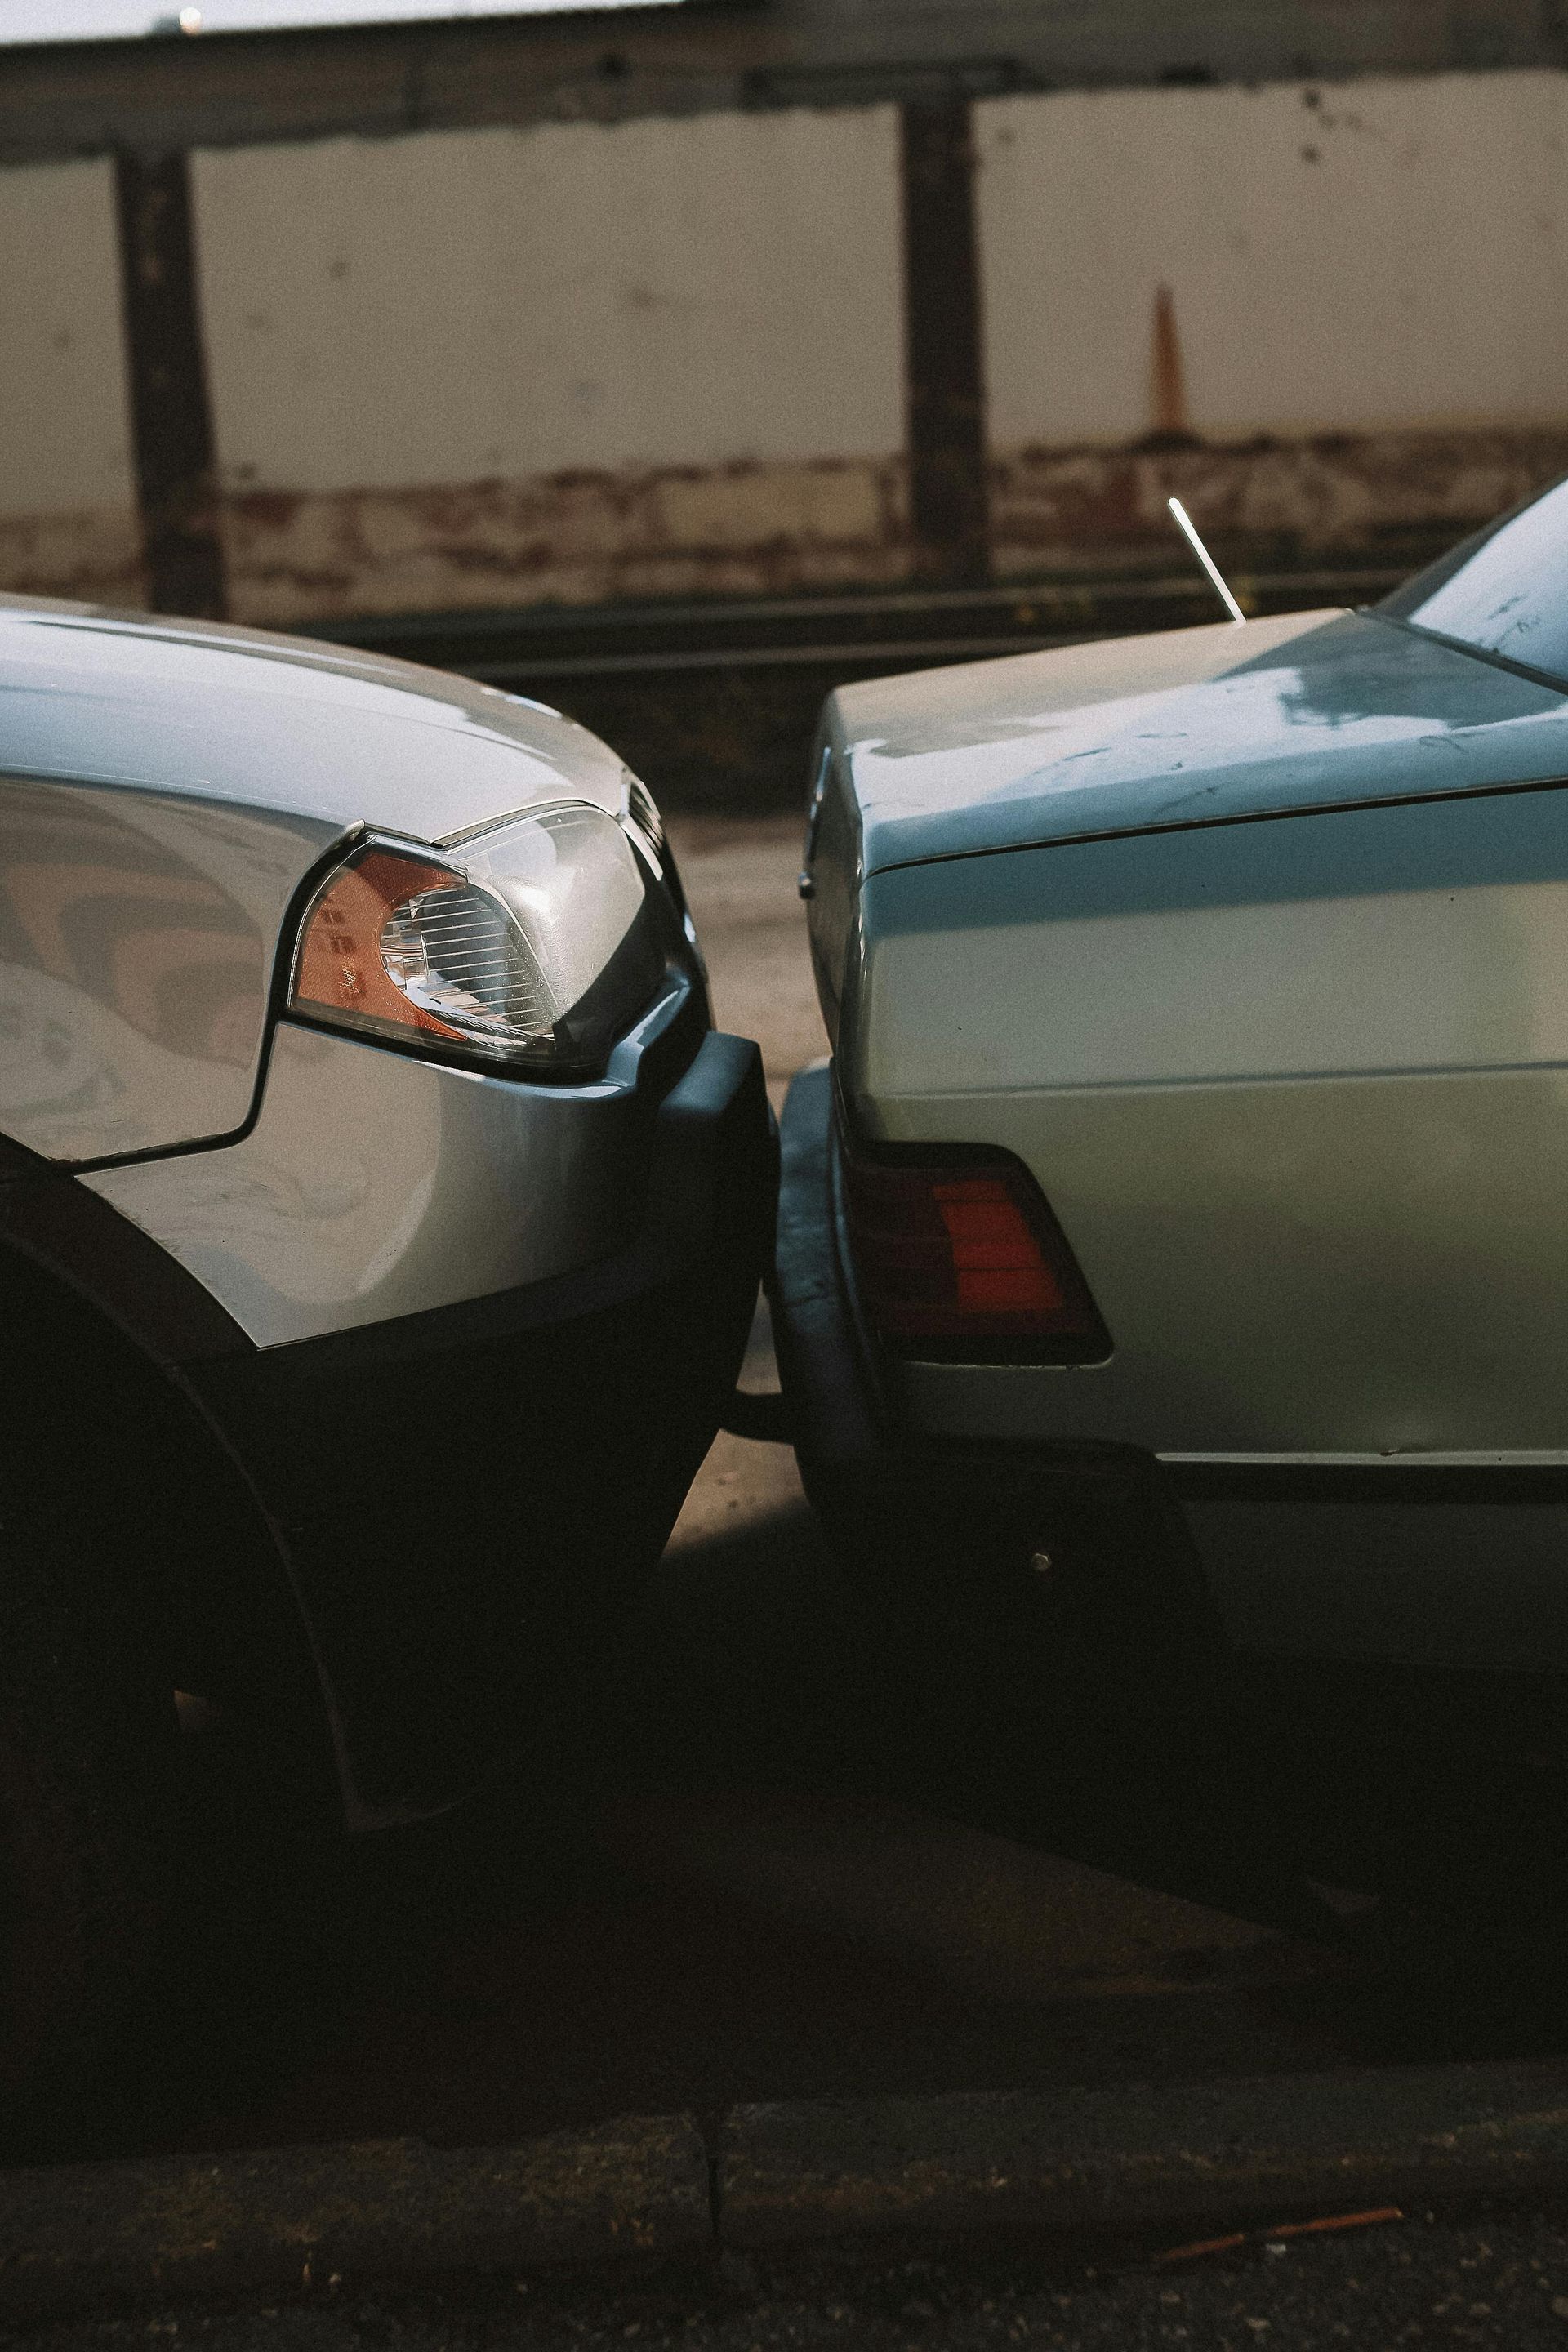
x=1182 y=1220
x=381 y=1221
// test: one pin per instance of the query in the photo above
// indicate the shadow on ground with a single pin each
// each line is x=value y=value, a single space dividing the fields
x=787 y=1848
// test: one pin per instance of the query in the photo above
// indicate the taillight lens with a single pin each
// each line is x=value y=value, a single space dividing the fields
x=537 y=944
x=964 y=1257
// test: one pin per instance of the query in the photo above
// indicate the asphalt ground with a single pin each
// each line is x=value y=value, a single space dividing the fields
x=1418 y=2279
x=787 y=1850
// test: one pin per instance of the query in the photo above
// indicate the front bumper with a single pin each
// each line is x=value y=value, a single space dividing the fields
x=467 y=1499
x=375 y=1184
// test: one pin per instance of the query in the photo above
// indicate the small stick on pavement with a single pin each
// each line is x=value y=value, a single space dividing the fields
x=1325 y=2222
x=1367 y=2220
x=1199 y=2247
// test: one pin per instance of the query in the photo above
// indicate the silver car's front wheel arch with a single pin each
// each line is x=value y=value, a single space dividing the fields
x=93 y=1398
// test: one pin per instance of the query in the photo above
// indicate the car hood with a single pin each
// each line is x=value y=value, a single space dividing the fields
x=168 y=788
x=1191 y=725
x=279 y=724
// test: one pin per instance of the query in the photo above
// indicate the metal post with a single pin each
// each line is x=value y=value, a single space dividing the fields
x=946 y=386
x=170 y=413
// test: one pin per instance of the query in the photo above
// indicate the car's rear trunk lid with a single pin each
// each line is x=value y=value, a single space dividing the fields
x=1303 y=711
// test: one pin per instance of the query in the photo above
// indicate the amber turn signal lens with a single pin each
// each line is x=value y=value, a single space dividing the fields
x=534 y=945
x=966 y=1255
x=341 y=968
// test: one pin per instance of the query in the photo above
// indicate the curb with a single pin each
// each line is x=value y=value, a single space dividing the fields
x=1121 y=2160
x=1110 y=2162
x=77 y=2237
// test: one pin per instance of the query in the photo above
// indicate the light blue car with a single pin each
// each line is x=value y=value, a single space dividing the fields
x=1190 y=1184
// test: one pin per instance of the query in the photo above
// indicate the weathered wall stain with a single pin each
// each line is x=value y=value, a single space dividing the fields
x=749 y=530
x=576 y=538
x=92 y=552
x=1167 y=384
x=1350 y=495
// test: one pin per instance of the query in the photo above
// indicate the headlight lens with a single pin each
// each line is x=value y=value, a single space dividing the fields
x=538 y=943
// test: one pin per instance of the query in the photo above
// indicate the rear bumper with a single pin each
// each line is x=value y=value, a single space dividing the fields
x=1438 y=1565
x=911 y=1512
x=469 y=1499
x=1430 y=1569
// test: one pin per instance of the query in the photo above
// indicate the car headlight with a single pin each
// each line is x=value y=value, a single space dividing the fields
x=536 y=944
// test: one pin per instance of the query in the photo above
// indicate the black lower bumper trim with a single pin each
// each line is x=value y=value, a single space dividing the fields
x=911 y=1512
x=470 y=1499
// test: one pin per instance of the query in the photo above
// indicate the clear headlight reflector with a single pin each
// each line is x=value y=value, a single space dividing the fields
x=537 y=944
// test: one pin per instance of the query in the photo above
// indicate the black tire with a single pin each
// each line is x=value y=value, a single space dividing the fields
x=87 y=1761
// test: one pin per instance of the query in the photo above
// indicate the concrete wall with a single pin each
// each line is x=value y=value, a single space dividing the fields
x=1390 y=255
x=67 y=496
x=1364 y=324
x=567 y=361
x=590 y=360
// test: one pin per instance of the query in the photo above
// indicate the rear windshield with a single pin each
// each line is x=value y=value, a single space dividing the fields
x=1504 y=592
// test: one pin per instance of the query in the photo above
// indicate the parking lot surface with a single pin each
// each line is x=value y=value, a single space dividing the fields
x=1417 y=2279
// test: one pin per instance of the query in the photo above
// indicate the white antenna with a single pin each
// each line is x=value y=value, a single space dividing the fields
x=1186 y=523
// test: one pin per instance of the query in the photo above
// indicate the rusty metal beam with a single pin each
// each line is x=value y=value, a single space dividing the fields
x=237 y=89
x=170 y=418
x=945 y=362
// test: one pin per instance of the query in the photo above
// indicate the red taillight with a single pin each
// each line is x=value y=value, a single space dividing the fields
x=966 y=1253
